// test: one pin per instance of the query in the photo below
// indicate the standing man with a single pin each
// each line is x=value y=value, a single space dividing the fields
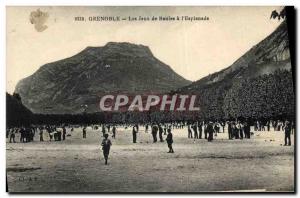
x=195 y=130
x=223 y=126
x=247 y=130
x=165 y=129
x=235 y=131
x=160 y=130
x=12 y=132
x=50 y=131
x=279 y=125
x=200 y=129
x=210 y=131
x=216 y=127
x=114 y=132
x=190 y=134
x=134 y=132
x=169 y=140
x=205 y=130
x=64 y=132
x=106 y=144
x=84 y=132
x=103 y=130
x=22 y=132
x=154 y=132
x=229 y=130
x=240 y=129
x=27 y=134
x=287 y=132
x=41 y=134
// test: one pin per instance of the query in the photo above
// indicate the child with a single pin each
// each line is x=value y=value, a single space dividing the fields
x=106 y=144
x=169 y=140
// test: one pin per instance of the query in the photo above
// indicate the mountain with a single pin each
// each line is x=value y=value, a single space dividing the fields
x=265 y=59
x=65 y=85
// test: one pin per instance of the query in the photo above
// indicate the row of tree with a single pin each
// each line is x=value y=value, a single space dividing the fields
x=266 y=96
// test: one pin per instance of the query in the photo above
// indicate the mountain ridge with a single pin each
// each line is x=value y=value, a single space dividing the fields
x=259 y=64
x=247 y=58
x=77 y=80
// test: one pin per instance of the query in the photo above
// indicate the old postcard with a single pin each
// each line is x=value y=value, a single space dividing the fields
x=184 y=99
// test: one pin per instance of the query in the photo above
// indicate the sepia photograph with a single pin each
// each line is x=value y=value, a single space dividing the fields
x=150 y=99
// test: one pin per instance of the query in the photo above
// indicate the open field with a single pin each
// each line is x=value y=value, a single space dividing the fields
x=77 y=165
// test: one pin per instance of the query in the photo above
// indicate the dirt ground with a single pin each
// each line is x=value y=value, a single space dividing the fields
x=77 y=165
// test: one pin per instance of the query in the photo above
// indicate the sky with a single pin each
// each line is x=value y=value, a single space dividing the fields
x=192 y=49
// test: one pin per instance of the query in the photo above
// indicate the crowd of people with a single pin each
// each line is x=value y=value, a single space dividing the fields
x=195 y=130
x=235 y=129
x=27 y=134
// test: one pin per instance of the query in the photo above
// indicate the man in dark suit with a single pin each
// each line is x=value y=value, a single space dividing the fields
x=160 y=131
x=84 y=132
x=114 y=132
x=287 y=132
x=134 y=132
x=194 y=126
x=210 y=131
x=106 y=144
x=169 y=140
x=200 y=129
x=229 y=130
x=154 y=132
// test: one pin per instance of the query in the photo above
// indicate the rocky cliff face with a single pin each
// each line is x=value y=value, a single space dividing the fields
x=64 y=86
